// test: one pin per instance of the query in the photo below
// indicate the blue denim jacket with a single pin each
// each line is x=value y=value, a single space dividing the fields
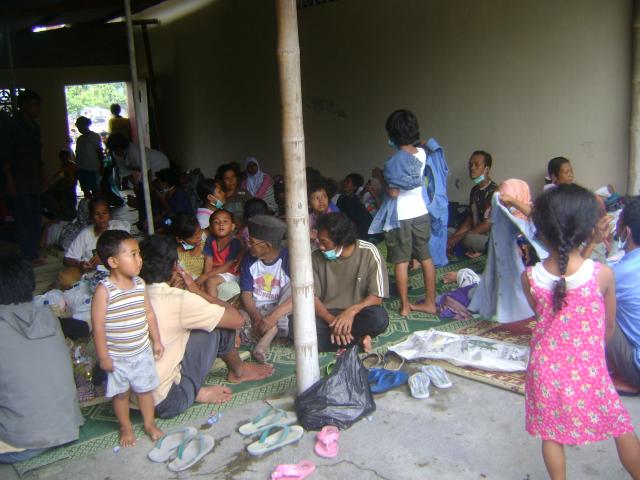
x=403 y=170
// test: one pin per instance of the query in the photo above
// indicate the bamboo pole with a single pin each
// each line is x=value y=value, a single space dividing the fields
x=138 y=115
x=305 y=338
x=633 y=186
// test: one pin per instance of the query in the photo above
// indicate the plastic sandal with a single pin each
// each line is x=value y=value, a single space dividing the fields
x=419 y=385
x=284 y=435
x=268 y=417
x=387 y=380
x=392 y=361
x=167 y=446
x=372 y=360
x=190 y=451
x=327 y=444
x=330 y=366
x=293 y=472
x=437 y=375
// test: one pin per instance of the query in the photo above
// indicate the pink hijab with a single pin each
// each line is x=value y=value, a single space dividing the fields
x=518 y=189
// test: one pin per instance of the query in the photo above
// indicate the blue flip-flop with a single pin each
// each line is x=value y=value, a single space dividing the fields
x=384 y=380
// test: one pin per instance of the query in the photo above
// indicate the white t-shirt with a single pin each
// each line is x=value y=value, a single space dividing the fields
x=410 y=203
x=87 y=147
x=85 y=243
x=156 y=160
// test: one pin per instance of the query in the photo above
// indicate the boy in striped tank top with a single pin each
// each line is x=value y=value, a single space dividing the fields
x=125 y=332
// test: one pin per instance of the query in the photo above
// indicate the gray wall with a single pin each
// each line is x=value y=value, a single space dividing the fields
x=523 y=79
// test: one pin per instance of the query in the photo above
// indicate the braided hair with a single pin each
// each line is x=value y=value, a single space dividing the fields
x=565 y=217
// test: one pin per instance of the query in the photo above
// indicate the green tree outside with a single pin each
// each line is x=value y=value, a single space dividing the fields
x=94 y=95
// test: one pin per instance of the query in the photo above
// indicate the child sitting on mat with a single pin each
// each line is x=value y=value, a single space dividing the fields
x=125 y=332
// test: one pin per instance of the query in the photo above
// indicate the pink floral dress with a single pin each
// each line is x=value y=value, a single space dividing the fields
x=569 y=395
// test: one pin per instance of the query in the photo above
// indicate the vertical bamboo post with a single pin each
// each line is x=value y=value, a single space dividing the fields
x=138 y=114
x=12 y=72
x=633 y=186
x=305 y=339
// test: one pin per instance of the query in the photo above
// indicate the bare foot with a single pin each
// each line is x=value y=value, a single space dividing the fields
x=424 y=308
x=262 y=349
x=249 y=372
x=405 y=310
x=473 y=254
x=38 y=262
x=365 y=342
x=127 y=437
x=214 y=394
x=415 y=264
x=450 y=277
x=154 y=432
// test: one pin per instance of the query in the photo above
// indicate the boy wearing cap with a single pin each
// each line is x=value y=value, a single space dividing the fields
x=265 y=283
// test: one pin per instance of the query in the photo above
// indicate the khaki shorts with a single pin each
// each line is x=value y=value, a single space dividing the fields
x=410 y=240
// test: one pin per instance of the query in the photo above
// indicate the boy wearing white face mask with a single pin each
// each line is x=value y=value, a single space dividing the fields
x=350 y=282
x=473 y=233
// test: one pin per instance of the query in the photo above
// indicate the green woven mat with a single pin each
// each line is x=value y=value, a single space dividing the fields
x=100 y=430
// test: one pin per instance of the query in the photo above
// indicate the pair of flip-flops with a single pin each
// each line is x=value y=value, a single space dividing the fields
x=419 y=382
x=389 y=361
x=275 y=428
x=382 y=380
x=184 y=447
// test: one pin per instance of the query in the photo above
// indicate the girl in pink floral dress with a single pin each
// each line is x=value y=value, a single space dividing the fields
x=570 y=399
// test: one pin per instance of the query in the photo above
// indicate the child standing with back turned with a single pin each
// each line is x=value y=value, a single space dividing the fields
x=123 y=323
x=569 y=396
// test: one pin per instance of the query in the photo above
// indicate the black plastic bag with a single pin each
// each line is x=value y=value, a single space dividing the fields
x=341 y=398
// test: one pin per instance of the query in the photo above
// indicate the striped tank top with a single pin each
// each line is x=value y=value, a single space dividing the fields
x=125 y=324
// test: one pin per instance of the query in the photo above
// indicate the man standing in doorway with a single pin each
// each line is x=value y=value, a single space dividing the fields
x=21 y=158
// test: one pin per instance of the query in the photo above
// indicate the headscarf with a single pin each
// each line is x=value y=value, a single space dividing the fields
x=254 y=182
x=518 y=189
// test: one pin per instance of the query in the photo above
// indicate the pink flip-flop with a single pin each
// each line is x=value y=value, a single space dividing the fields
x=289 y=471
x=327 y=444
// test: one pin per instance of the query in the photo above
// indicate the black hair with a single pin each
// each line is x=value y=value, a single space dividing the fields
x=206 y=187
x=117 y=141
x=108 y=244
x=82 y=120
x=183 y=225
x=17 y=280
x=223 y=211
x=313 y=176
x=565 y=217
x=95 y=201
x=160 y=256
x=115 y=109
x=402 y=128
x=331 y=186
x=341 y=230
x=356 y=179
x=555 y=164
x=27 y=96
x=631 y=218
x=313 y=188
x=255 y=206
x=169 y=176
x=486 y=157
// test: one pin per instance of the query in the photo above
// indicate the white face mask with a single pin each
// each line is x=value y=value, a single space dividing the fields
x=622 y=243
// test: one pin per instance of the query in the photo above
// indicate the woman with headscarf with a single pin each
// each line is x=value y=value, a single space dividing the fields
x=259 y=184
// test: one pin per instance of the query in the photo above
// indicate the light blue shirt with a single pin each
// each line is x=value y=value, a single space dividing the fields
x=627 y=272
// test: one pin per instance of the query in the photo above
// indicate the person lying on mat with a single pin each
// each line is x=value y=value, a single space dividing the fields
x=350 y=280
x=623 y=350
x=38 y=400
x=195 y=329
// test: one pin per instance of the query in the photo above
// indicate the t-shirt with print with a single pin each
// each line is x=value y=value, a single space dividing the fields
x=346 y=281
x=230 y=253
x=480 y=201
x=410 y=203
x=265 y=280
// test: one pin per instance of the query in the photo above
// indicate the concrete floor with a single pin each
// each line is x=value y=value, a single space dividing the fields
x=472 y=431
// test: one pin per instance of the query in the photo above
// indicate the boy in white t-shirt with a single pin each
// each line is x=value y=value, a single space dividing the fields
x=410 y=237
